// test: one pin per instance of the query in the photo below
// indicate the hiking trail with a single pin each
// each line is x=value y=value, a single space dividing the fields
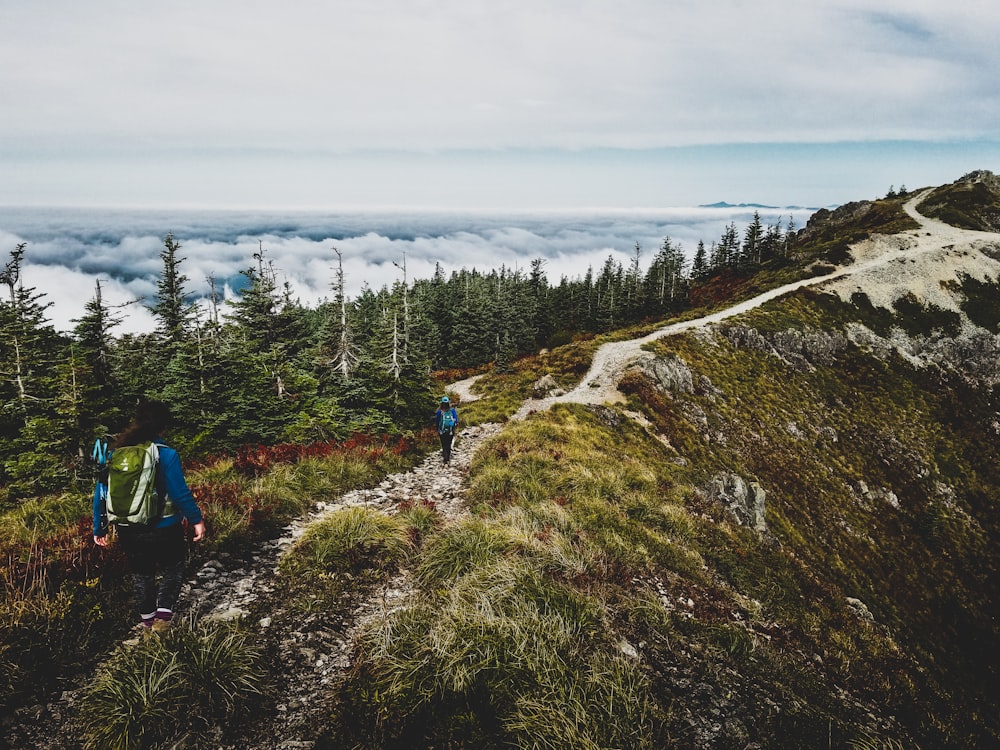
x=875 y=265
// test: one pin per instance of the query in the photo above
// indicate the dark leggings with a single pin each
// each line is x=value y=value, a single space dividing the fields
x=446 y=438
x=151 y=549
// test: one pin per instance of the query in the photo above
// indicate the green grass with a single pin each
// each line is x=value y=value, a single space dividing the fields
x=169 y=688
x=36 y=520
x=65 y=601
x=504 y=655
x=586 y=525
x=966 y=205
x=351 y=538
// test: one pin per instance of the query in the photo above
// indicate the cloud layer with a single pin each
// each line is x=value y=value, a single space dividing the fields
x=69 y=250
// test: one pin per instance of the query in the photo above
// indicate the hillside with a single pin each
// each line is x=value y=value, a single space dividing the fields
x=769 y=525
x=971 y=202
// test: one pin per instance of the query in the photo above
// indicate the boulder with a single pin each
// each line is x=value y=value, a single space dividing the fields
x=670 y=374
x=743 y=499
x=544 y=386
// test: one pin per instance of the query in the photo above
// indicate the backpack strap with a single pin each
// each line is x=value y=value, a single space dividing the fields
x=100 y=453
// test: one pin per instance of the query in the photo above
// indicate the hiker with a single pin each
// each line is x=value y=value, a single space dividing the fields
x=157 y=546
x=446 y=420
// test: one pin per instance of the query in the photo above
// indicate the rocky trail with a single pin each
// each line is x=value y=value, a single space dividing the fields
x=315 y=652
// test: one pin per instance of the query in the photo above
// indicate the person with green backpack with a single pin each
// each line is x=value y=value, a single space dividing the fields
x=446 y=420
x=145 y=496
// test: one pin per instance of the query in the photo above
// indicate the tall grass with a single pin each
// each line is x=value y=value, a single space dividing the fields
x=508 y=642
x=171 y=686
x=240 y=508
x=350 y=538
x=37 y=519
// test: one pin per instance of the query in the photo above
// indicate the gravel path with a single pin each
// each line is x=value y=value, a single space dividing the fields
x=876 y=271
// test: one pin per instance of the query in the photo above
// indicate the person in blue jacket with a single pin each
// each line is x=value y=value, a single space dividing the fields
x=158 y=547
x=446 y=420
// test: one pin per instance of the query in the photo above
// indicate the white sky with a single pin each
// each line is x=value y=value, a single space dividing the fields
x=498 y=103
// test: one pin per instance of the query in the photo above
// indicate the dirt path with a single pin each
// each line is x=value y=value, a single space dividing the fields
x=876 y=261
x=315 y=654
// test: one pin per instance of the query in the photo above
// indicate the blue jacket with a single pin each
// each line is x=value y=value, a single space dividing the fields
x=169 y=480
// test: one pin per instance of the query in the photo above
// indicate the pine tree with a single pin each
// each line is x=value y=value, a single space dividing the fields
x=337 y=346
x=254 y=312
x=97 y=398
x=30 y=350
x=171 y=307
x=728 y=249
x=93 y=334
x=753 y=237
x=540 y=311
x=665 y=280
x=699 y=267
x=633 y=285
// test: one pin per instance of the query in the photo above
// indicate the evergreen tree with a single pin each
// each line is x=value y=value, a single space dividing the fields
x=337 y=346
x=95 y=341
x=171 y=307
x=753 y=238
x=254 y=311
x=699 y=266
x=540 y=311
x=728 y=250
x=633 y=286
x=665 y=281
x=97 y=402
x=30 y=350
x=609 y=302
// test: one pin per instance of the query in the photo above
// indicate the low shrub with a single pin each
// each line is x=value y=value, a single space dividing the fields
x=44 y=634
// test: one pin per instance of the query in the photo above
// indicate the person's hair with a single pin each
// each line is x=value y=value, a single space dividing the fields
x=151 y=419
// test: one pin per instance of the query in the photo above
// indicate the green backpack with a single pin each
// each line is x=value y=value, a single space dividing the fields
x=132 y=498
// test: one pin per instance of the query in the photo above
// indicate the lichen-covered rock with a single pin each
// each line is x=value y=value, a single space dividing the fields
x=544 y=386
x=670 y=374
x=743 y=499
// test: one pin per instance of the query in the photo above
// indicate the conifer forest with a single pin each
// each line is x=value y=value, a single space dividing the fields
x=265 y=369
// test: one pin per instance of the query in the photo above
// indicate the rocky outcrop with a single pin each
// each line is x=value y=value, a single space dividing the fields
x=801 y=349
x=743 y=499
x=824 y=218
x=669 y=374
x=984 y=176
x=860 y=609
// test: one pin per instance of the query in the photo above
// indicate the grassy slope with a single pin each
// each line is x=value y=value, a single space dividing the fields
x=966 y=204
x=737 y=639
x=584 y=517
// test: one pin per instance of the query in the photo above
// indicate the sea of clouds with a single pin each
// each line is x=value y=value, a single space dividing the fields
x=68 y=250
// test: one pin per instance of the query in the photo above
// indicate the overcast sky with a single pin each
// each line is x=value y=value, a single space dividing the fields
x=491 y=104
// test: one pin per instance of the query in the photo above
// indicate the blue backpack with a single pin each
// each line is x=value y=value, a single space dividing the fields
x=448 y=421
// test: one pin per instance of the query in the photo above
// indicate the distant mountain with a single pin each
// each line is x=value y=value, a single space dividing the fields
x=724 y=204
